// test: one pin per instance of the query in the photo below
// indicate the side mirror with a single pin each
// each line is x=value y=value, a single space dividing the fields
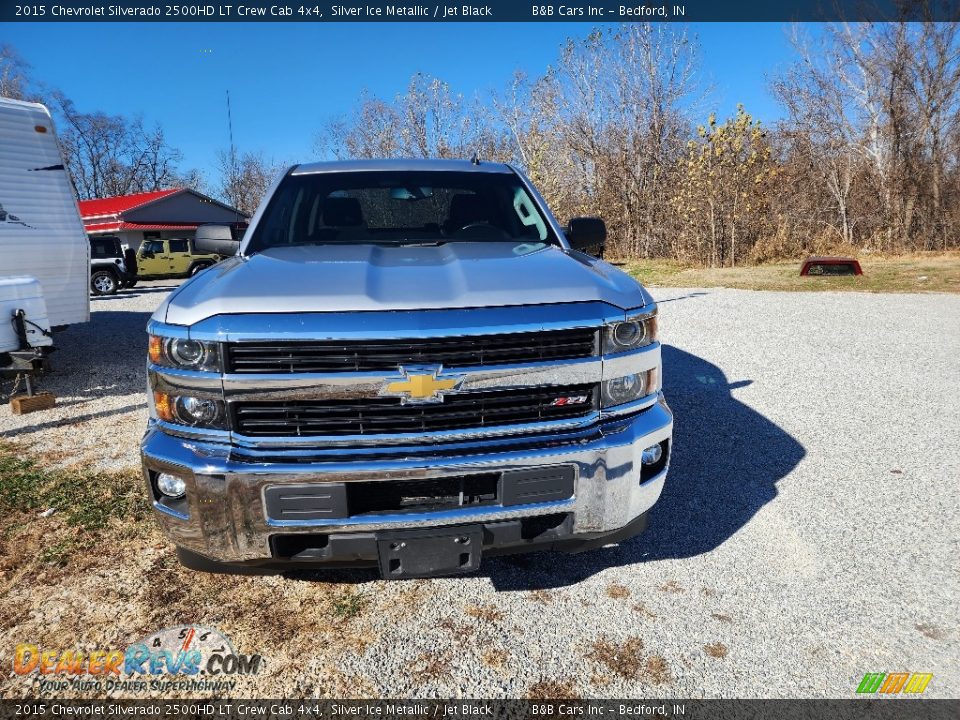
x=216 y=240
x=587 y=234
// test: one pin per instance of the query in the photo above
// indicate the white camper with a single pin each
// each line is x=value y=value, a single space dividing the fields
x=44 y=251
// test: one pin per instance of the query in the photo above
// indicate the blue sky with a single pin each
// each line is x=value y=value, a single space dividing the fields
x=287 y=80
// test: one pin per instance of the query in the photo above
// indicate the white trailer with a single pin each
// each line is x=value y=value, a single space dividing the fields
x=44 y=251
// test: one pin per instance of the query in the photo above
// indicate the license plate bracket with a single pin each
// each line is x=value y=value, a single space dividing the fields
x=429 y=552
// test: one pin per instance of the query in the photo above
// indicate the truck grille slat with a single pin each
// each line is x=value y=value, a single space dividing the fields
x=366 y=355
x=372 y=416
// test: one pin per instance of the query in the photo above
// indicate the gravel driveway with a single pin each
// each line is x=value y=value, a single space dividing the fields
x=808 y=532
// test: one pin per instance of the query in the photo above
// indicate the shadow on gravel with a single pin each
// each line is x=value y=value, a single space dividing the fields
x=75 y=420
x=727 y=460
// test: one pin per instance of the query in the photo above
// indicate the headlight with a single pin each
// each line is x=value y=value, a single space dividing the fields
x=627 y=389
x=630 y=335
x=185 y=354
x=189 y=410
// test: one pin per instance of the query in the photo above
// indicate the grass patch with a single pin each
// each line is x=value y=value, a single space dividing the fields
x=716 y=650
x=617 y=591
x=924 y=272
x=484 y=612
x=349 y=604
x=625 y=659
x=553 y=690
x=86 y=502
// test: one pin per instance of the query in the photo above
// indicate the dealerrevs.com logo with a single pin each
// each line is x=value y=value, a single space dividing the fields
x=187 y=657
x=894 y=683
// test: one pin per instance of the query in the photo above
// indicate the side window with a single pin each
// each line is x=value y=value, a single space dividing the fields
x=98 y=248
x=178 y=246
x=153 y=246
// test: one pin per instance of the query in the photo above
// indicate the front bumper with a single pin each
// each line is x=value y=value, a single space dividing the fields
x=223 y=518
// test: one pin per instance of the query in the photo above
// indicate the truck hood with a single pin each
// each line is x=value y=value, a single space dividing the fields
x=359 y=277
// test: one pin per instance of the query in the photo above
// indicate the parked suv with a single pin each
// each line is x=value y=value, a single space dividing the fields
x=111 y=267
x=174 y=258
x=407 y=365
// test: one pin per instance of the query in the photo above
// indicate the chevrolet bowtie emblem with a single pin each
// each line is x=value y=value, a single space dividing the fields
x=421 y=385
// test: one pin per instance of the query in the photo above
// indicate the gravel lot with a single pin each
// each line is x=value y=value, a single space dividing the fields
x=808 y=532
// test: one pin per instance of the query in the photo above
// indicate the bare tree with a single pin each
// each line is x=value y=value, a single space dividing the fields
x=245 y=178
x=14 y=74
x=606 y=124
x=427 y=120
x=872 y=105
x=113 y=155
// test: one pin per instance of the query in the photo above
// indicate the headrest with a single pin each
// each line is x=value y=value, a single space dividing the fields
x=466 y=209
x=342 y=212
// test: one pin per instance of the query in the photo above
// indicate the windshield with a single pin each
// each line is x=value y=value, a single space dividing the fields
x=401 y=208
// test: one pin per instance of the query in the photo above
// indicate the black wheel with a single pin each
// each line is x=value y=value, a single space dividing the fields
x=199 y=267
x=103 y=282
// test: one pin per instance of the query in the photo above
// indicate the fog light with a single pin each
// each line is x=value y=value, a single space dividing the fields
x=171 y=485
x=652 y=455
x=197 y=410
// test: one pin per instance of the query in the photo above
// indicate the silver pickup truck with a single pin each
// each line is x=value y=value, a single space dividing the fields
x=406 y=365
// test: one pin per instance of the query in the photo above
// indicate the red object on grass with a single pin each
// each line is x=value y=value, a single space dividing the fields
x=818 y=266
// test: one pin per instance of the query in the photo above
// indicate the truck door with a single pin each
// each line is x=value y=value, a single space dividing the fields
x=152 y=258
x=179 y=257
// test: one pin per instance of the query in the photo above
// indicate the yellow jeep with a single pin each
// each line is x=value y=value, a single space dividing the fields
x=171 y=258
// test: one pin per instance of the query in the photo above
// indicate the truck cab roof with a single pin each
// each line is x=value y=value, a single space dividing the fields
x=402 y=164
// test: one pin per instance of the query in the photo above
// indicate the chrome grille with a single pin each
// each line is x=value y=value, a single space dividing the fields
x=373 y=355
x=382 y=415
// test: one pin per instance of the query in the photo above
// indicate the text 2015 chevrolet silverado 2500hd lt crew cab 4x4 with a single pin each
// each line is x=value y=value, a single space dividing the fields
x=407 y=365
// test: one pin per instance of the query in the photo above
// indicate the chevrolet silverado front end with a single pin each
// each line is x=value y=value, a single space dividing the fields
x=406 y=366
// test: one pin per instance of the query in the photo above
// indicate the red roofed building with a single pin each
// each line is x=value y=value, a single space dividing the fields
x=160 y=214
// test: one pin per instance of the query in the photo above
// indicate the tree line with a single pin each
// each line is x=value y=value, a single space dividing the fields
x=866 y=156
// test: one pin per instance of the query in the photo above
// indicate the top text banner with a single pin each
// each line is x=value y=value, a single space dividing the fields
x=598 y=11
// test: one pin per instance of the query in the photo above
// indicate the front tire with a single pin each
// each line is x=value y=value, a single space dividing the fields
x=103 y=282
x=199 y=267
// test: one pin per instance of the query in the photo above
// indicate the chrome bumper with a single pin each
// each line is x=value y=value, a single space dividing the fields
x=224 y=517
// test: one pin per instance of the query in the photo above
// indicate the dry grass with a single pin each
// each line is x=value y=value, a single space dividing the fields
x=457 y=629
x=671 y=587
x=430 y=666
x=617 y=592
x=625 y=659
x=644 y=611
x=484 y=612
x=922 y=272
x=553 y=690
x=722 y=617
x=716 y=650
x=930 y=631
x=494 y=658
x=657 y=670
x=541 y=596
